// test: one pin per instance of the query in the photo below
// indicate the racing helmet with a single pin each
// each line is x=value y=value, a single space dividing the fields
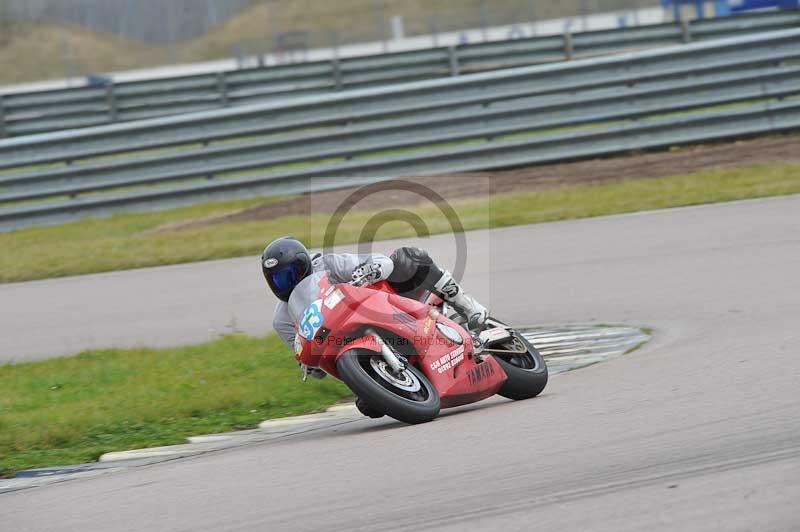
x=285 y=262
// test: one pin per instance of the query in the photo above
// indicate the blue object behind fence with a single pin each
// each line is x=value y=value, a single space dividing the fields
x=747 y=5
x=725 y=7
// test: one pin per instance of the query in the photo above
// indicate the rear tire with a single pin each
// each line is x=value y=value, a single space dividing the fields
x=527 y=374
x=358 y=370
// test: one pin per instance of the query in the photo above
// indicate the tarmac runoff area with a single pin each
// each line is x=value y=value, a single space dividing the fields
x=566 y=348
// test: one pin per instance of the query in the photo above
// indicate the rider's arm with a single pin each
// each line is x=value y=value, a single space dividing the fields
x=283 y=324
x=342 y=265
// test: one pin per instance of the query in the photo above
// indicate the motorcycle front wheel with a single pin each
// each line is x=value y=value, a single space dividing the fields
x=407 y=396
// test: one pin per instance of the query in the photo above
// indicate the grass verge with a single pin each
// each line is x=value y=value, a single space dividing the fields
x=71 y=410
x=129 y=240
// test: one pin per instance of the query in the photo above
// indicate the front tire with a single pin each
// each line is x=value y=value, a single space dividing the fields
x=408 y=397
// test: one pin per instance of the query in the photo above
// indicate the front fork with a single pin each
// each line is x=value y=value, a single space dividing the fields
x=396 y=362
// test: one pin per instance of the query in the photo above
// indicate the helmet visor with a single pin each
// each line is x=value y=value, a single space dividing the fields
x=284 y=280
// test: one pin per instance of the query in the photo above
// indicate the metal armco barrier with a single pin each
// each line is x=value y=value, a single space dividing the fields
x=591 y=107
x=37 y=112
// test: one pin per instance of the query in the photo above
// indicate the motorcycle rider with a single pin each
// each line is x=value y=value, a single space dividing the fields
x=286 y=261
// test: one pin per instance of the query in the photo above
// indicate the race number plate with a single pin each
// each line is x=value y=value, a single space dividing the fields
x=312 y=320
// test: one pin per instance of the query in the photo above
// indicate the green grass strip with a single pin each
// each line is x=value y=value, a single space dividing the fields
x=71 y=410
x=128 y=240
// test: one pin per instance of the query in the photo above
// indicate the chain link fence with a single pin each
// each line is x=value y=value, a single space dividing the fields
x=41 y=39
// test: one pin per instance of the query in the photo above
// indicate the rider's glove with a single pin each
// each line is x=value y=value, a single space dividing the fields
x=367 y=273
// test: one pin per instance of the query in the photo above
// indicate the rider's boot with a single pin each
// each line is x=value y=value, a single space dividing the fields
x=473 y=312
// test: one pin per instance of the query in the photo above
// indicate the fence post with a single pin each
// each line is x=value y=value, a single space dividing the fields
x=532 y=17
x=336 y=70
x=111 y=101
x=568 y=47
x=379 y=10
x=686 y=31
x=3 y=131
x=455 y=68
x=239 y=55
x=222 y=89
x=483 y=13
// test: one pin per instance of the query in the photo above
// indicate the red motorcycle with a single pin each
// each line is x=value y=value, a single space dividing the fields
x=404 y=357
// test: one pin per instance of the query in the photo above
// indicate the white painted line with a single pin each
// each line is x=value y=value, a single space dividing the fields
x=349 y=407
x=289 y=421
x=155 y=452
x=210 y=438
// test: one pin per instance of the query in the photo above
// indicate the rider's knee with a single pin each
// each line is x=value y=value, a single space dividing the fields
x=412 y=255
x=408 y=261
x=413 y=268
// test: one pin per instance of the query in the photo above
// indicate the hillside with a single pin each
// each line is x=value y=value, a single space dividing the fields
x=35 y=51
x=30 y=52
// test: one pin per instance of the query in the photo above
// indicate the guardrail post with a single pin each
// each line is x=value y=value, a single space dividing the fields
x=111 y=101
x=455 y=68
x=3 y=131
x=686 y=31
x=569 y=50
x=336 y=70
x=222 y=89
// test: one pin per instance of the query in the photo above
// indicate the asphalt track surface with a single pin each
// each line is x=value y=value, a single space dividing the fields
x=697 y=431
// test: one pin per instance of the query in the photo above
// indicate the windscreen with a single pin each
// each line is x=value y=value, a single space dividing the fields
x=305 y=293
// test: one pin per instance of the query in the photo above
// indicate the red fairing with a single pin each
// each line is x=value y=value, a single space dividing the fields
x=449 y=366
x=452 y=368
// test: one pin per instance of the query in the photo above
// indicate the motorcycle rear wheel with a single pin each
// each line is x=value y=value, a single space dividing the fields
x=527 y=373
x=407 y=397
